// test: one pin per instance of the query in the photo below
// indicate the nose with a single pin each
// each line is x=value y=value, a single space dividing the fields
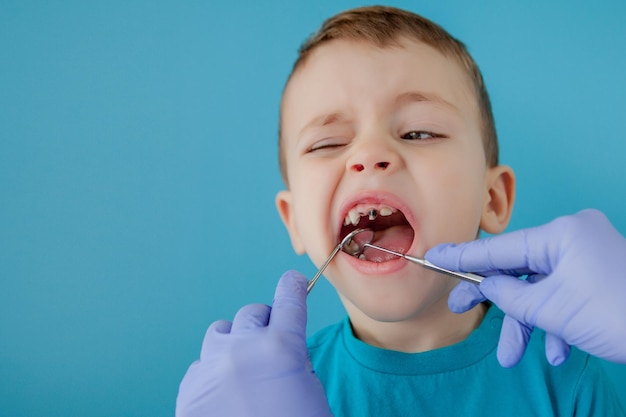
x=374 y=156
x=382 y=165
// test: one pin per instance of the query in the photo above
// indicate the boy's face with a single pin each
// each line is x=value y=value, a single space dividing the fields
x=393 y=129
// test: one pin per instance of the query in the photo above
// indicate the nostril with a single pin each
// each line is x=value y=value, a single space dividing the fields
x=358 y=167
x=382 y=165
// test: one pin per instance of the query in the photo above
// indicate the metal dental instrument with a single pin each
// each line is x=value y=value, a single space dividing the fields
x=466 y=276
x=356 y=248
x=346 y=240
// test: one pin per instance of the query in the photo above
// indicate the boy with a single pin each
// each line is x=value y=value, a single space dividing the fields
x=386 y=113
x=386 y=124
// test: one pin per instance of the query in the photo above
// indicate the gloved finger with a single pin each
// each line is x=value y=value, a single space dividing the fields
x=513 y=296
x=557 y=351
x=251 y=316
x=464 y=297
x=220 y=327
x=289 y=306
x=502 y=254
x=514 y=338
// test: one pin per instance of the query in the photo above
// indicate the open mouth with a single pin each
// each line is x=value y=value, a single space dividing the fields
x=391 y=231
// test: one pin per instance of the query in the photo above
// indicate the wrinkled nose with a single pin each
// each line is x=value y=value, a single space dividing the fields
x=376 y=156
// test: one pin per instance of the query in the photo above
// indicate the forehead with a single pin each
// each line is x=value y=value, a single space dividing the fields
x=357 y=77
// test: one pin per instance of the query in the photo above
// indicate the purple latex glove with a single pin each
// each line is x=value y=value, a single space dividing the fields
x=258 y=365
x=575 y=290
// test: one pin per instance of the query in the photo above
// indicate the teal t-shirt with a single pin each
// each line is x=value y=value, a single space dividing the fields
x=464 y=379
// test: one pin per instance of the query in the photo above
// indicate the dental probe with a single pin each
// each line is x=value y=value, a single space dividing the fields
x=466 y=276
x=340 y=246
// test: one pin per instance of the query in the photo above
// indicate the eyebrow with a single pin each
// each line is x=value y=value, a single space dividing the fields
x=402 y=100
x=323 y=120
x=416 y=97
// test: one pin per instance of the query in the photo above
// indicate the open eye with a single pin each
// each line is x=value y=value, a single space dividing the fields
x=420 y=135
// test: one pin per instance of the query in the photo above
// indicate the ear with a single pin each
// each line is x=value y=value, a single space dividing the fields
x=284 y=206
x=498 y=200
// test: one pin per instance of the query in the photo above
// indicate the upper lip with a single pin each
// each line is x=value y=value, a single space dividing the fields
x=375 y=198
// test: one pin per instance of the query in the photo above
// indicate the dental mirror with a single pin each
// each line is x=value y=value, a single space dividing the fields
x=365 y=237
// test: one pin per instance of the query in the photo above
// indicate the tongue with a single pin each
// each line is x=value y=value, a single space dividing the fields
x=395 y=238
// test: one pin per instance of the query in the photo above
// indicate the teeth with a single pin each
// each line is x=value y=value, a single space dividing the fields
x=386 y=211
x=362 y=257
x=354 y=216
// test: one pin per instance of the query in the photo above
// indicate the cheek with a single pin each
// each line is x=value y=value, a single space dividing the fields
x=312 y=195
x=455 y=199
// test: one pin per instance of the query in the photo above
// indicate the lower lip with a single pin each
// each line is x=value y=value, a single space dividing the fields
x=374 y=268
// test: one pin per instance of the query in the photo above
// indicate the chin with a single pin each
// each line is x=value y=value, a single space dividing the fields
x=392 y=303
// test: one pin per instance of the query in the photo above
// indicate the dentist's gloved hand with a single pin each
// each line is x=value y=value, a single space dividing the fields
x=575 y=291
x=258 y=365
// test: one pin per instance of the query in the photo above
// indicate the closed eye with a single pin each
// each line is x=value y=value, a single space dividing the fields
x=327 y=144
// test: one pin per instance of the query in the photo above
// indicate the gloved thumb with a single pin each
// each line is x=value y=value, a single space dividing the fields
x=289 y=306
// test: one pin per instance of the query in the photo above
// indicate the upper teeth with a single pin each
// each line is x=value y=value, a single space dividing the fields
x=354 y=215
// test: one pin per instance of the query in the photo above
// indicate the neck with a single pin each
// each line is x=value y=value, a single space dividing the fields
x=432 y=329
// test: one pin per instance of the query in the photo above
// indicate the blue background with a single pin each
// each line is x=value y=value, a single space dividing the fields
x=138 y=172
